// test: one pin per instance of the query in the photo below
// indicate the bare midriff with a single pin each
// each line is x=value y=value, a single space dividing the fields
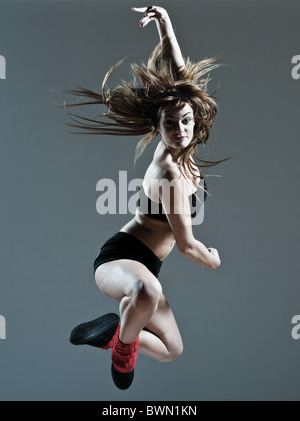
x=154 y=233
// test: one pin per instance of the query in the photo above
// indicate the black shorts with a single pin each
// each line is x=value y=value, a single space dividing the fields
x=125 y=246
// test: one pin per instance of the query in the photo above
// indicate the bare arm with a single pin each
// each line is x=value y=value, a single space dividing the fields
x=177 y=209
x=171 y=50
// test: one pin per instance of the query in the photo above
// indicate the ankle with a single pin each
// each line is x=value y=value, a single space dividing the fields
x=124 y=355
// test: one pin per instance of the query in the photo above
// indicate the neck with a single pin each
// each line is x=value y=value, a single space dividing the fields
x=175 y=153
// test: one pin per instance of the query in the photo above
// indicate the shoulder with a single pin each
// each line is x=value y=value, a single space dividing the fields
x=159 y=176
x=169 y=172
x=162 y=166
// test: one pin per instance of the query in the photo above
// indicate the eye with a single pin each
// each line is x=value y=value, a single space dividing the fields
x=169 y=123
x=187 y=120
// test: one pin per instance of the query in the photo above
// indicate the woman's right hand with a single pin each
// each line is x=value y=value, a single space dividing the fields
x=215 y=253
x=151 y=13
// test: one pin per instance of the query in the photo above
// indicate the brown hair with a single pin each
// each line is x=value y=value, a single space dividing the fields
x=131 y=106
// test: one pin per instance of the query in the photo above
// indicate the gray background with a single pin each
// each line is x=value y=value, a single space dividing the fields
x=235 y=321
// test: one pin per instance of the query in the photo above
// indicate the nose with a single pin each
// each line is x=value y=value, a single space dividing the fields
x=180 y=127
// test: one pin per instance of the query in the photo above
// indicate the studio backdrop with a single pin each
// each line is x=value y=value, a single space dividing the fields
x=240 y=324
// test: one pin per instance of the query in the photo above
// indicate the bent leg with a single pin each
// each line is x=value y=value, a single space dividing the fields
x=161 y=338
x=136 y=289
x=144 y=310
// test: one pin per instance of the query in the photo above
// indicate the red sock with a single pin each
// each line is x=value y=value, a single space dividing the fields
x=111 y=343
x=124 y=355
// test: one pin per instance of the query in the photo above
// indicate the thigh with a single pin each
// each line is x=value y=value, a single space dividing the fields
x=119 y=278
x=164 y=325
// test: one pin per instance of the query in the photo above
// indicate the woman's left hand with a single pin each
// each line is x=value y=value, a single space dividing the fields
x=151 y=13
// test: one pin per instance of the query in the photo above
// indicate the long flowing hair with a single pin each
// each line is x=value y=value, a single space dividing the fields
x=131 y=105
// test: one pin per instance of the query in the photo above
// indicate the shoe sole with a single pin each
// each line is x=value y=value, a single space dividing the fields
x=122 y=380
x=88 y=331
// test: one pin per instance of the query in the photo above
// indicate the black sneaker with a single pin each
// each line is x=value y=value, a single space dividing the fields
x=97 y=332
x=122 y=380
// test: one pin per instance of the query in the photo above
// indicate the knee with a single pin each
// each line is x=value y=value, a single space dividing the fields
x=175 y=352
x=147 y=294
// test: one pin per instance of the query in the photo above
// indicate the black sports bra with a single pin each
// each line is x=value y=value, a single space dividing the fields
x=155 y=210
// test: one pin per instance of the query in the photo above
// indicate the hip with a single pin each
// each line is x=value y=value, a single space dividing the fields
x=123 y=245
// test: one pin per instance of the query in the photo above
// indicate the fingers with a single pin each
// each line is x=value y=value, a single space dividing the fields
x=143 y=9
x=146 y=19
x=139 y=9
x=213 y=251
x=149 y=14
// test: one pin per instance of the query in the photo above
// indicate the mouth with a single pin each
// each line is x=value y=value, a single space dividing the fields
x=180 y=137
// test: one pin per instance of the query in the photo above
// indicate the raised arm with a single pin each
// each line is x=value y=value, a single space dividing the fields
x=171 y=50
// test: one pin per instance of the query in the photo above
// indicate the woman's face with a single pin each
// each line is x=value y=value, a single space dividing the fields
x=176 y=127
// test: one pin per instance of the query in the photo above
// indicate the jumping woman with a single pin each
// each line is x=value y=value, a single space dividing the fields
x=171 y=102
